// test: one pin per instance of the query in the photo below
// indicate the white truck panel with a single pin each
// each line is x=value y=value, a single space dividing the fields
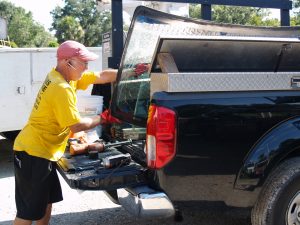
x=22 y=72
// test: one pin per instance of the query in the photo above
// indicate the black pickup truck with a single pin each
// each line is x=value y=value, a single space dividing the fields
x=216 y=118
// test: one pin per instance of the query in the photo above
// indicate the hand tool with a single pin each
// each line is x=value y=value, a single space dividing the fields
x=77 y=148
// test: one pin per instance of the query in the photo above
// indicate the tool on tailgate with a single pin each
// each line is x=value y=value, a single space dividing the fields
x=77 y=148
x=116 y=160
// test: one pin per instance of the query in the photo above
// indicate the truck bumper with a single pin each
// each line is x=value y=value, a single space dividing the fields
x=144 y=202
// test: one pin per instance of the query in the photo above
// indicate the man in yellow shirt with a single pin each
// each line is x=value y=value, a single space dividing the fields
x=43 y=140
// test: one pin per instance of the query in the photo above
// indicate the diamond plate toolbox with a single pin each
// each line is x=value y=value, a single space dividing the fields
x=233 y=81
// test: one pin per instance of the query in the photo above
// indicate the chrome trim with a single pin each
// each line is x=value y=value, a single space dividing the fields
x=144 y=202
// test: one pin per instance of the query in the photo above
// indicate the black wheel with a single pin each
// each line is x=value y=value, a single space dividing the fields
x=279 y=200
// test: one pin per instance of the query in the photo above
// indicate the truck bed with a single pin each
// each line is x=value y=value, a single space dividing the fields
x=82 y=172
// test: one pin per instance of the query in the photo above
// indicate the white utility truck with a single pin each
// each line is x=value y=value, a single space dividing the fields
x=22 y=72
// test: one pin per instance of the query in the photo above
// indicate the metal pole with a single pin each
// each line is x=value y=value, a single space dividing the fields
x=117 y=33
x=206 y=11
x=284 y=17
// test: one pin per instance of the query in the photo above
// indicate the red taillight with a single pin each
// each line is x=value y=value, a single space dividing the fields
x=161 y=136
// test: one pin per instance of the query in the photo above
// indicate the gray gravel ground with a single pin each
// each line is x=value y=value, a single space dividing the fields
x=94 y=208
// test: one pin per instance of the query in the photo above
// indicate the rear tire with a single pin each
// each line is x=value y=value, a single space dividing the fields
x=279 y=200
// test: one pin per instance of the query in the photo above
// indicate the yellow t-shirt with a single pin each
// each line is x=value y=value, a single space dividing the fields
x=46 y=132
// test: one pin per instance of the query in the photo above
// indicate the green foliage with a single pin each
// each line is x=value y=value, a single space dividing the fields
x=13 y=44
x=81 y=21
x=195 y=11
x=22 y=29
x=236 y=15
x=295 y=20
x=296 y=4
x=271 y=22
x=69 y=29
x=53 y=44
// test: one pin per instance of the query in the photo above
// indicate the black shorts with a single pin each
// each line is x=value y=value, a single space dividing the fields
x=37 y=185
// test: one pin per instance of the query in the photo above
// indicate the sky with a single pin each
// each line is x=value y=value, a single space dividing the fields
x=41 y=9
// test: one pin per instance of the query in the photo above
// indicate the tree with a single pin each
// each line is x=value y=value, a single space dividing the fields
x=236 y=15
x=195 y=10
x=69 y=29
x=22 y=29
x=81 y=21
x=295 y=20
x=296 y=4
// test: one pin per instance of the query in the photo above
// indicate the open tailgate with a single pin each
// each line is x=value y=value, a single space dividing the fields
x=81 y=172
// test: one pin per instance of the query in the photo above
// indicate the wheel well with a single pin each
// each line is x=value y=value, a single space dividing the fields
x=275 y=163
x=292 y=154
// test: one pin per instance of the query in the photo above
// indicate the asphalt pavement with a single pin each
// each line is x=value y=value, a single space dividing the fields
x=94 y=207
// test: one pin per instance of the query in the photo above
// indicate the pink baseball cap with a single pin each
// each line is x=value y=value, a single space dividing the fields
x=69 y=49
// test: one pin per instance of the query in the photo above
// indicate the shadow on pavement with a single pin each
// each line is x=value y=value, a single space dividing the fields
x=118 y=216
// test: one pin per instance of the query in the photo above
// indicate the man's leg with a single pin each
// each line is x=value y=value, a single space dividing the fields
x=19 y=221
x=37 y=187
x=45 y=220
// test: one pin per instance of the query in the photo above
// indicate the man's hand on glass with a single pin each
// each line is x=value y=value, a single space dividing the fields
x=141 y=68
